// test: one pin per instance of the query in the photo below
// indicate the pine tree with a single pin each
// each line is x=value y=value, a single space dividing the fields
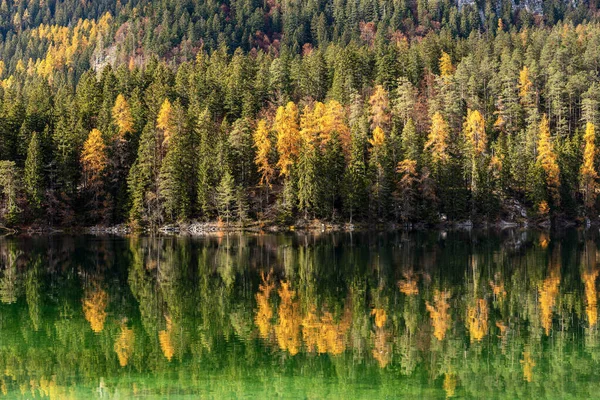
x=34 y=173
x=226 y=196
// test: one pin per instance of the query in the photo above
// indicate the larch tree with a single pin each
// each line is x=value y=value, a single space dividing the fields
x=164 y=122
x=122 y=118
x=589 y=175
x=475 y=145
x=286 y=127
x=94 y=161
x=437 y=142
x=547 y=161
x=379 y=106
x=446 y=67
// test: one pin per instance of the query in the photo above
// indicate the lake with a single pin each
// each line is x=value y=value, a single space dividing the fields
x=512 y=314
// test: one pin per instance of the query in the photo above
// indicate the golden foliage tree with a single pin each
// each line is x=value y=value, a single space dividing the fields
x=164 y=121
x=262 y=143
x=121 y=116
x=589 y=175
x=379 y=103
x=474 y=132
x=93 y=158
x=525 y=87
x=437 y=140
x=446 y=67
x=547 y=160
x=286 y=127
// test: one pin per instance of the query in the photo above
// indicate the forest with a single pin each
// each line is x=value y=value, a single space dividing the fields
x=150 y=113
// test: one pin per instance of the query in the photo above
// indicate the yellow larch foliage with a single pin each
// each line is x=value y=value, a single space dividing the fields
x=93 y=157
x=408 y=285
x=591 y=296
x=438 y=312
x=380 y=317
x=286 y=127
x=124 y=345
x=262 y=143
x=264 y=313
x=166 y=341
x=547 y=160
x=446 y=67
x=502 y=328
x=378 y=138
x=380 y=115
x=548 y=291
x=95 y=302
x=449 y=384
x=333 y=120
x=525 y=85
x=287 y=329
x=477 y=320
x=121 y=116
x=589 y=175
x=164 y=121
x=474 y=131
x=437 y=140
x=528 y=364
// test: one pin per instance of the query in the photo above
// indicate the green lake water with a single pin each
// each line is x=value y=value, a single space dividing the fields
x=364 y=315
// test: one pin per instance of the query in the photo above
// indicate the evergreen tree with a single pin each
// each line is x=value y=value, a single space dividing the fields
x=34 y=173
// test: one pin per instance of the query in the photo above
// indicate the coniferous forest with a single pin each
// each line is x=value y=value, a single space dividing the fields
x=156 y=112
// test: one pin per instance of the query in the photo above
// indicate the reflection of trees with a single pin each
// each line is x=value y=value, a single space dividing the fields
x=191 y=310
x=9 y=278
x=95 y=302
x=439 y=314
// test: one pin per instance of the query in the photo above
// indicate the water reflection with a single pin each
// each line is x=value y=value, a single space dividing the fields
x=423 y=314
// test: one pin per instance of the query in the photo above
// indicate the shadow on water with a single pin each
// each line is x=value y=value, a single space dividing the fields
x=337 y=315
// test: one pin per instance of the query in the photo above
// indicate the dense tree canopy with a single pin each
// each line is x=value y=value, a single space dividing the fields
x=411 y=111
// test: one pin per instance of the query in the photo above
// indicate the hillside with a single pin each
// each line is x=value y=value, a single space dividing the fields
x=150 y=112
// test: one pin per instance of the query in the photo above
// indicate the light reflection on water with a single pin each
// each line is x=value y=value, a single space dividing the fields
x=428 y=314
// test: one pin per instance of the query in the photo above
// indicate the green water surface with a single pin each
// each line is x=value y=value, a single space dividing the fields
x=487 y=315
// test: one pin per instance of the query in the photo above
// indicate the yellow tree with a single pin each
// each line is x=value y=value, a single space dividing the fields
x=476 y=142
x=379 y=108
x=262 y=143
x=288 y=138
x=121 y=116
x=437 y=141
x=547 y=160
x=446 y=67
x=589 y=175
x=164 y=121
x=93 y=159
x=525 y=87
x=333 y=120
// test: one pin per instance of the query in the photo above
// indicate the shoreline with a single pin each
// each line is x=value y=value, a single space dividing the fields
x=204 y=228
